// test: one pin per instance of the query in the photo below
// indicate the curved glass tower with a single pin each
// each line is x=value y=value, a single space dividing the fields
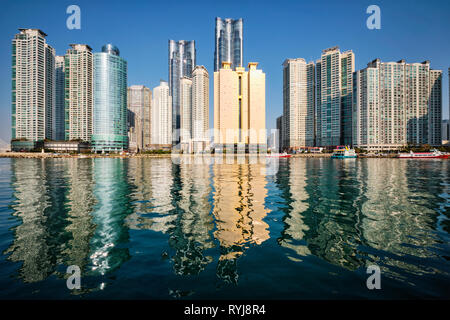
x=110 y=101
x=229 y=43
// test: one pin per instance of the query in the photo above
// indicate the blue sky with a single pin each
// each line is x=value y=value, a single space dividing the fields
x=273 y=31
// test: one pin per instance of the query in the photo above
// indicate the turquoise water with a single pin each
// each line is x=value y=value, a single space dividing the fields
x=154 y=229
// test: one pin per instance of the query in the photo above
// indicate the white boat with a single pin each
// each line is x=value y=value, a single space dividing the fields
x=343 y=152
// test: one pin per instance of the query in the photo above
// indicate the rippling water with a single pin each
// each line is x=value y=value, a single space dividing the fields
x=153 y=229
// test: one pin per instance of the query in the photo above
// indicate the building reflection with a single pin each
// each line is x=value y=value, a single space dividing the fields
x=239 y=210
x=333 y=233
x=113 y=204
x=292 y=182
x=80 y=202
x=400 y=213
x=191 y=234
x=39 y=188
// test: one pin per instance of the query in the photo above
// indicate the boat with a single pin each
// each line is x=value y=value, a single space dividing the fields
x=279 y=155
x=433 y=154
x=343 y=152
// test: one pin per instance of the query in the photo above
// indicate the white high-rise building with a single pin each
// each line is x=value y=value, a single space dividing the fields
x=33 y=86
x=200 y=108
x=59 y=109
x=334 y=82
x=79 y=75
x=298 y=103
x=161 y=115
x=186 y=114
x=397 y=104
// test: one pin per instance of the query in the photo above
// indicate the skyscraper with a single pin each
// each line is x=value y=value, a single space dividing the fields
x=139 y=117
x=334 y=82
x=79 y=101
x=186 y=114
x=200 y=108
x=182 y=61
x=396 y=104
x=229 y=43
x=33 y=87
x=110 y=101
x=161 y=115
x=298 y=103
x=239 y=108
x=59 y=110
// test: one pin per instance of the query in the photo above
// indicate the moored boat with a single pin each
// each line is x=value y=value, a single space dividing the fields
x=433 y=154
x=343 y=152
x=279 y=155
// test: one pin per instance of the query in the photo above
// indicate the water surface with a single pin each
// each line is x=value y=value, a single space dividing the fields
x=153 y=229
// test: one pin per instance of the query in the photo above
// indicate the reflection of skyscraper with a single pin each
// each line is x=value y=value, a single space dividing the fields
x=113 y=205
x=229 y=43
x=296 y=197
x=80 y=204
x=40 y=197
x=396 y=216
x=182 y=61
x=239 y=211
x=191 y=232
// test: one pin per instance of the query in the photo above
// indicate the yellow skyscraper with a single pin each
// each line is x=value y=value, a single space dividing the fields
x=240 y=108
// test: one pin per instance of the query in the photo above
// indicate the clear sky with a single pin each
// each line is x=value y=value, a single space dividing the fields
x=273 y=31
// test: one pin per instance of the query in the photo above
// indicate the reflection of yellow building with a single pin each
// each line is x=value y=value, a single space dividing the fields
x=239 y=105
x=239 y=206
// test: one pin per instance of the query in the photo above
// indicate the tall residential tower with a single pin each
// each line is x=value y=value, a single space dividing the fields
x=229 y=43
x=182 y=61
x=396 y=104
x=79 y=101
x=33 y=87
x=298 y=103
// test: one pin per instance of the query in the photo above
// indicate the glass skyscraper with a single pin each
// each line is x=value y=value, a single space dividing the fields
x=181 y=63
x=110 y=101
x=229 y=43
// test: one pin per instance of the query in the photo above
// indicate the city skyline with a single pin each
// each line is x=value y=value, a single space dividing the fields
x=310 y=49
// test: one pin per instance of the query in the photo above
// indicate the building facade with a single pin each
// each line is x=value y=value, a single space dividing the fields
x=161 y=115
x=186 y=114
x=298 y=103
x=110 y=101
x=182 y=60
x=200 y=109
x=229 y=43
x=33 y=86
x=239 y=109
x=59 y=109
x=334 y=82
x=79 y=101
x=397 y=104
x=139 y=117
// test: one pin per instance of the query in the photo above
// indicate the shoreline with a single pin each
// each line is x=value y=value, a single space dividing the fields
x=38 y=155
